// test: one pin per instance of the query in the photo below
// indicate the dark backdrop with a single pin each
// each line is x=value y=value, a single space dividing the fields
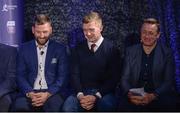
x=122 y=20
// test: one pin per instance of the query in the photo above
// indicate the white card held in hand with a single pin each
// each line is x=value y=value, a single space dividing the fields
x=138 y=91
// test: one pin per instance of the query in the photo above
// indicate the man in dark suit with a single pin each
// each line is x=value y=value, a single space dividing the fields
x=7 y=75
x=150 y=66
x=41 y=70
x=94 y=70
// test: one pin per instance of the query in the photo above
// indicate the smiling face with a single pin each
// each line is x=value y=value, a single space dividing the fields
x=92 y=31
x=149 y=34
x=42 y=33
x=92 y=26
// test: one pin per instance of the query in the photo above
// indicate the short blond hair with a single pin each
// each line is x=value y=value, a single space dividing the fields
x=41 y=19
x=91 y=17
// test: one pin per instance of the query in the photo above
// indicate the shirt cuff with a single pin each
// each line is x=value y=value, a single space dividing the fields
x=98 y=94
x=79 y=93
x=27 y=95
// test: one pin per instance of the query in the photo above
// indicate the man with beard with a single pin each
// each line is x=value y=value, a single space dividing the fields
x=41 y=70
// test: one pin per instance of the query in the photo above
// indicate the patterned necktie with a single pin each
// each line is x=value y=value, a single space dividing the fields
x=92 y=47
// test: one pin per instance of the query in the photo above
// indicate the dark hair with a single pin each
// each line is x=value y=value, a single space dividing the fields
x=153 y=21
x=41 y=19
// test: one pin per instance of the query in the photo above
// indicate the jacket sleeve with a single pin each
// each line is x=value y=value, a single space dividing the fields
x=9 y=84
x=62 y=72
x=168 y=74
x=113 y=72
x=75 y=71
x=22 y=71
x=126 y=71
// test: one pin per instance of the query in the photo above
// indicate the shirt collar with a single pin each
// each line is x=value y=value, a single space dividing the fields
x=98 y=43
x=44 y=46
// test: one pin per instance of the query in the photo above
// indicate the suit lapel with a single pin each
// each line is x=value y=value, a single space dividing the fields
x=48 y=55
x=156 y=61
x=138 y=62
x=34 y=56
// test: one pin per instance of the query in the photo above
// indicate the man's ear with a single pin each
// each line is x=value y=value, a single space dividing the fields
x=51 y=30
x=158 y=35
x=33 y=29
x=102 y=27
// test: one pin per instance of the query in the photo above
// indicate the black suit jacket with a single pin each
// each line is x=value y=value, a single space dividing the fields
x=163 y=70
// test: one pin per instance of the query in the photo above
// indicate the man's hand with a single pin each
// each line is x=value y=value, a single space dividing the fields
x=87 y=102
x=38 y=99
x=141 y=100
x=148 y=98
x=30 y=95
x=137 y=100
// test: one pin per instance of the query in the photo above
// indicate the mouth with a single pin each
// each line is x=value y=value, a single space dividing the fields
x=147 y=39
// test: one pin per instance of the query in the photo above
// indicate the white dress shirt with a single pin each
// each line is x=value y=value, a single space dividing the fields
x=98 y=43
x=40 y=82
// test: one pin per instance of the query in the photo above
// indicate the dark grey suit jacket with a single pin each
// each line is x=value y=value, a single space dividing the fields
x=7 y=69
x=163 y=72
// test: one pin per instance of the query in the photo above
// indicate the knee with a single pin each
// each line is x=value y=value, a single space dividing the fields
x=53 y=104
x=70 y=104
x=5 y=103
x=20 y=104
x=107 y=103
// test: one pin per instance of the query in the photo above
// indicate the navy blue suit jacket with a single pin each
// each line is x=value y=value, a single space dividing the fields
x=55 y=67
x=163 y=72
x=7 y=69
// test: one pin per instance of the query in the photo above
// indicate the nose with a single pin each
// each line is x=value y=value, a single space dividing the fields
x=88 y=33
x=145 y=35
x=41 y=35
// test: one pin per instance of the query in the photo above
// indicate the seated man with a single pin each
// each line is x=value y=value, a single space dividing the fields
x=94 y=70
x=149 y=66
x=41 y=70
x=7 y=75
